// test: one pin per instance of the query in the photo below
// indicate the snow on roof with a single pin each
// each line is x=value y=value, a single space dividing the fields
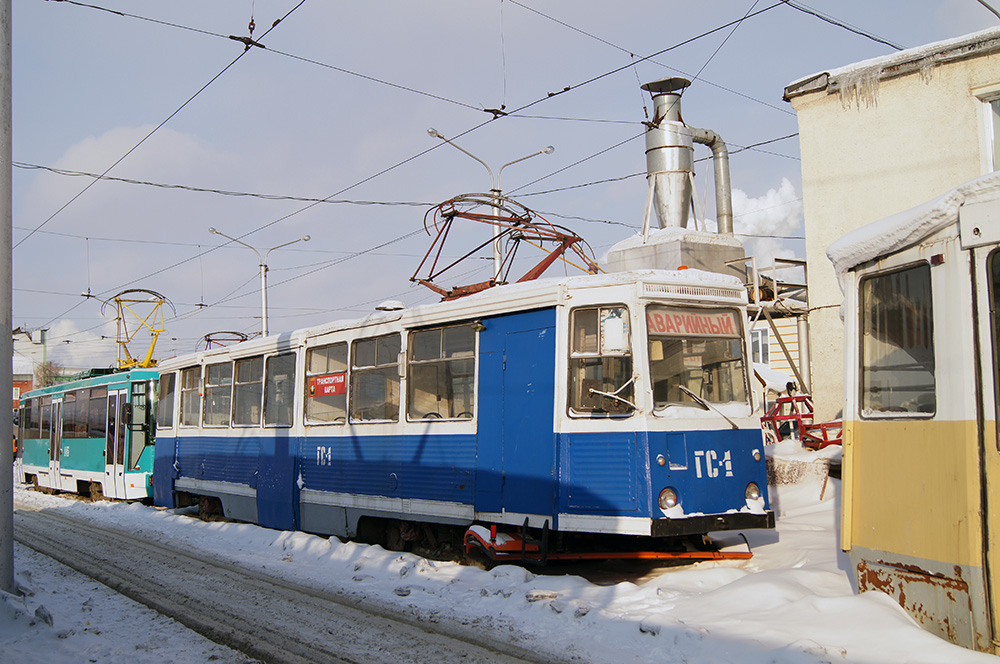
x=672 y=233
x=859 y=81
x=908 y=227
x=772 y=379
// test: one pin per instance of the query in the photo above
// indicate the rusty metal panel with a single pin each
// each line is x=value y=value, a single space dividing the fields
x=940 y=604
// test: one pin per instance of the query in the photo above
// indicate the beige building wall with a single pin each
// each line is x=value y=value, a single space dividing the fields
x=878 y=138
x=788 y=329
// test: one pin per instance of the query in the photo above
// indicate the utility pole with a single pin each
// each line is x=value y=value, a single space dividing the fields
x=6 y=339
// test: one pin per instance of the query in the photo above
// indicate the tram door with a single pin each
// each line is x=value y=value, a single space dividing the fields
x=987 y=298
x=114 y=458
x=55 y=445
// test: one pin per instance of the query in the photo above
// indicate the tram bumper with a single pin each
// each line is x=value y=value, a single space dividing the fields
x=699 y=525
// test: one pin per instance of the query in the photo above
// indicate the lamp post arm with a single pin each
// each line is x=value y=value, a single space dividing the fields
x=215 y=231
x=546 y=150
x=304 y=238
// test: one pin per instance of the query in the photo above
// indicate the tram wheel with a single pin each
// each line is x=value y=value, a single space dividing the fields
x=96 y=491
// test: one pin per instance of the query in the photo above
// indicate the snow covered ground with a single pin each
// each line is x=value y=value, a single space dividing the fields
x=791 y=603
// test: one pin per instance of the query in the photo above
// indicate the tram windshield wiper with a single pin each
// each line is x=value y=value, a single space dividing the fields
x=614 y=395
x=706 y=405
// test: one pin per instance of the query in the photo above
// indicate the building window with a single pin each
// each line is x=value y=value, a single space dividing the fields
x=441 y=375
x=897 y=344
x=993 y=111
x=760 y=347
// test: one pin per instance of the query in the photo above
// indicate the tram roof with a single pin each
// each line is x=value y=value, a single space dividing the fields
x=909 y=227
x=502 y=299
x=533 y=295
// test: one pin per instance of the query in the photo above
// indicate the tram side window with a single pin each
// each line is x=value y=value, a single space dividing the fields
x=600 y=365
x=326 y=384
x=165 y=401
x=279 y=390
x=375 y=379
x=248 y=391
x=441 y=374
x=97 y=421
x=76 y=409
x=140 y=424
x=46 y=431
x=218 y=393
x=897 y=344
x=190 y=396
x=31 y=418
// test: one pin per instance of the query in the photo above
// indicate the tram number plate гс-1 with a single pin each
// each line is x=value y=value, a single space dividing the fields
x=713 y=464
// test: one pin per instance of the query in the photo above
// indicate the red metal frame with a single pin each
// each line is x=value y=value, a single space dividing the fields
x=515 y=223
x=797 y=409
x=511 y=547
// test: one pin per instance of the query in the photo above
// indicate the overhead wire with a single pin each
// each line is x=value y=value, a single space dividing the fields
x=136 y=146
x=222 y=192
x=632 y=55
x=840 y=24
x=154 y=130
x=423 y=152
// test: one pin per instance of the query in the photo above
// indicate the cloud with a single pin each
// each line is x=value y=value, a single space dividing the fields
x=70 y=347
x=763 y=221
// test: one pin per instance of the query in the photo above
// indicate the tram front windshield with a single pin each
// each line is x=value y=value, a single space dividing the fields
x=699 y=349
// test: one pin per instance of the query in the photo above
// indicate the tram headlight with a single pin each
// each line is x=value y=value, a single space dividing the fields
x=753 y=491
x=668 y=499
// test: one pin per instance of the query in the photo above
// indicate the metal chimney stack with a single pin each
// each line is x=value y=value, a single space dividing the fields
x=670 y=159
x=670 y=172
x=669 y=153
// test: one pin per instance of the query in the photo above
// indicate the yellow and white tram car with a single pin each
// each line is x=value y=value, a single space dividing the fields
x=921 y=473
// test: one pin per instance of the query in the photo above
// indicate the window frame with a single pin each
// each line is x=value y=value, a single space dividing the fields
x=166 y=400
x=863 y=411
x=760 y=344
x=208 y=394
x=382 y=366
x=699 y=324
x=414 y=365
x=312 y=384
x=237 y=391
x=575 y=356
x=186 y=392
x=267 y=405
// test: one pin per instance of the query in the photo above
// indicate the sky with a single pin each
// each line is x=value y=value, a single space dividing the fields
x=322 y=131
x=791 y=603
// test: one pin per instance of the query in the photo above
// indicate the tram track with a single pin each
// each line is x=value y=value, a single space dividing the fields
x=271 y=619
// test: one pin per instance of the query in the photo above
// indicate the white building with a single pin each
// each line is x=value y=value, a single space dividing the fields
x=878 y=137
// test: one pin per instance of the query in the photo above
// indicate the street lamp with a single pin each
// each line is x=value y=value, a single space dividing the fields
x=494 y=191
x=263 y=271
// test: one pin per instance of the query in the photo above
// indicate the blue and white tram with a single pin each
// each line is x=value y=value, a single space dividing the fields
x=616 y=404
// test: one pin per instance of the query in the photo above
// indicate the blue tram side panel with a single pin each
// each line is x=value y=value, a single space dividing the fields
x=624 y=456
x=94 y=435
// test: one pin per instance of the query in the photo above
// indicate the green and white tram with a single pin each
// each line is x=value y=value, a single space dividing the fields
x=91 y=436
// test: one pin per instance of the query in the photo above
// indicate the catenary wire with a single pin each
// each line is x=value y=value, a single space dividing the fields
x=154 y=130
x=479 y=125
